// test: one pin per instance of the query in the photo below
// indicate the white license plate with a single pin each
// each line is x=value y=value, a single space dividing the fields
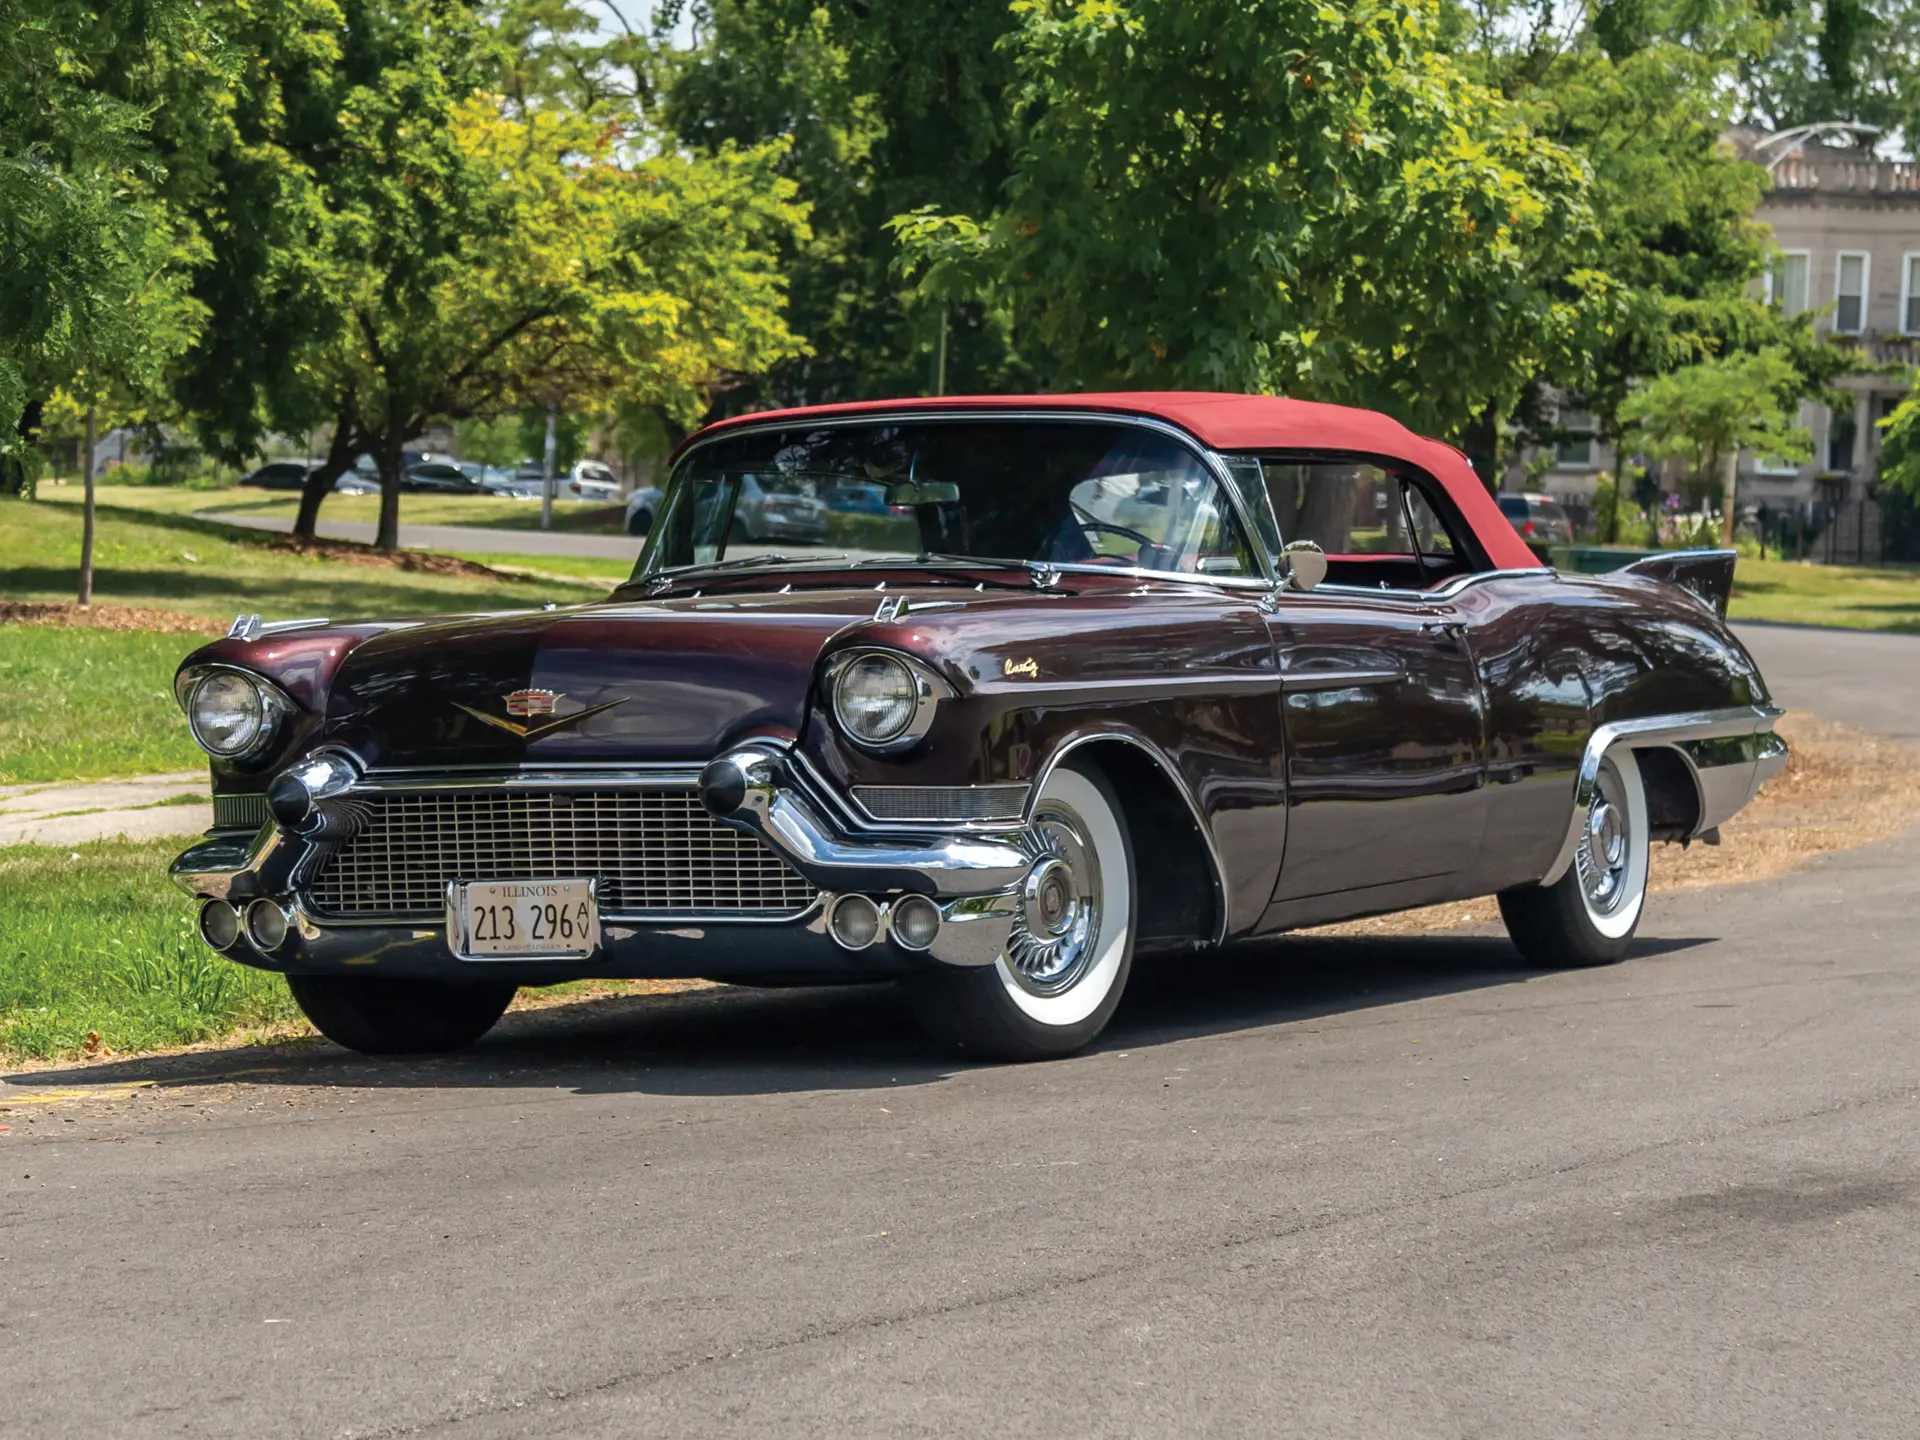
x=523 y=919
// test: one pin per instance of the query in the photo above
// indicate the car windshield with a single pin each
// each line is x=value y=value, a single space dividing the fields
x=1054 y=492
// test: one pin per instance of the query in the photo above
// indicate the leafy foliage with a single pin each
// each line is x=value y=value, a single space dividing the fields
x=885 y=106
x=1273 y=195
x=1702 y=413
x=1900 y=446
x=93 y=264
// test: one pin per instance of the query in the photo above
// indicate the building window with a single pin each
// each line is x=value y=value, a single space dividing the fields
x=1576 y=450
x=1840 y=436
x=1910 y=294
x=1850 y=293
x=1787 y=280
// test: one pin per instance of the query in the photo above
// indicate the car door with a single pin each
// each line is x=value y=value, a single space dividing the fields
x=1383 y=712
x=1386 y=754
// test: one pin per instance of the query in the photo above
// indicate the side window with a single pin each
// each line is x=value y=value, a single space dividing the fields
x=1378 y=527
x=1430 y=533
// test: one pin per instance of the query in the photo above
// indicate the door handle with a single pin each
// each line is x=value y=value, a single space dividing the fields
x=1452 y=629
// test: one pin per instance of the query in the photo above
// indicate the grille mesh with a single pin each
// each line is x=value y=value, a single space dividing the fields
x=239 y=812
x=651 y=850
x=942 y=802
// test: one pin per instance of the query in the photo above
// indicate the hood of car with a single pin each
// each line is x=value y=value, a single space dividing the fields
x=674 y=680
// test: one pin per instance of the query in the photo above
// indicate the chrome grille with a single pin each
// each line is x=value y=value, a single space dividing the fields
x=653 y=852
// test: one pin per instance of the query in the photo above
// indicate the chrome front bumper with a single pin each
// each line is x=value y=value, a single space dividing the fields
x=976 y=879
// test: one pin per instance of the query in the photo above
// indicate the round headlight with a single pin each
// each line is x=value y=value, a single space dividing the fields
x=877 y=699
x=229 y=713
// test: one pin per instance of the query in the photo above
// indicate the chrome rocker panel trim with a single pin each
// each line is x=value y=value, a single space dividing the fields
x=1721 y=794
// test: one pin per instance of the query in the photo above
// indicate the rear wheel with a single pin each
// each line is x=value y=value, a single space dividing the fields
x=1588 y=916
x=399 y=1017
x=1061 y=976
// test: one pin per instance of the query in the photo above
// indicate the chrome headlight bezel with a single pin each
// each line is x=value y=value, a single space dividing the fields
x=926 y=688
x=271 y=703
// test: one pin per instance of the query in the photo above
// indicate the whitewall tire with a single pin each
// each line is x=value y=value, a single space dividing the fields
x=1589 y=916
x=1061 y=977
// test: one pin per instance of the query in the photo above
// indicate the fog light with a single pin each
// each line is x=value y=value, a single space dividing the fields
x=219 y=924
x=267 y=924
x=915 y=922
x=854 y=922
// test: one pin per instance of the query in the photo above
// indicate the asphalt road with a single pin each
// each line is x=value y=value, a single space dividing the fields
x=460 y=539
x=1329 y=1189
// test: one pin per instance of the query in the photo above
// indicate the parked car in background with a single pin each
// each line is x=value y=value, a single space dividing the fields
x=774 y=507
x=588 y=480
x=643 y=506
x=992 y=756
x=494 y=479
x=292 y=475
x=859 y=500
x=439 y=477
x=1538 y=520
x=282 y=474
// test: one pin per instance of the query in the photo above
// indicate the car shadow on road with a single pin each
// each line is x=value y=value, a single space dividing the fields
x=735 y=1041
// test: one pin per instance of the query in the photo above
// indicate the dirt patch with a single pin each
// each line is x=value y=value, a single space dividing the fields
x=352 y=552
x=108 y=617
x=1841 y=788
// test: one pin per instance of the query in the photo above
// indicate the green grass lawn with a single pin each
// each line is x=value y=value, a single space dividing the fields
x=96 y=939
x=170 y=562
x=87 y=704
x=487 y=511
x=1857 y=598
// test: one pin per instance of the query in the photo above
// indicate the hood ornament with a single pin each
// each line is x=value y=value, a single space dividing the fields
x=530 y=703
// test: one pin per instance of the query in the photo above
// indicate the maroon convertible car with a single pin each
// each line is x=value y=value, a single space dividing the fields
x=1104 y=674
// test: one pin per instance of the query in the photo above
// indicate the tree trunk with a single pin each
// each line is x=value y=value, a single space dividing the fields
x=387 y=537
x=1729 y=479
x=319 y=484
x=546 y=469
x=1482 y=444
x=86 y=521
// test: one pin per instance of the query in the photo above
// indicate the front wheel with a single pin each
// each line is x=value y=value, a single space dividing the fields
x=399 y=1017
x=640 y=522
x=1589 y=915
x=1061 y=976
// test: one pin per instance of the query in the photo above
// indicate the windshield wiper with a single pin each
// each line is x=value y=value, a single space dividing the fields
x=745 y=562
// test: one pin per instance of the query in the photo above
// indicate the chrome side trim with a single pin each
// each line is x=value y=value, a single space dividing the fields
x=1159 y=686
x=1444 y=592
x=1153 y=753
x=1652 y=730
x=1296 y=681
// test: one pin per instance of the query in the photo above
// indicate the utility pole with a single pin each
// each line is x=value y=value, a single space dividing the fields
x=546 y=488
x=86 y=523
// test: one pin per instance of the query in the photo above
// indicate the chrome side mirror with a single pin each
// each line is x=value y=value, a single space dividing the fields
x=1303 y=565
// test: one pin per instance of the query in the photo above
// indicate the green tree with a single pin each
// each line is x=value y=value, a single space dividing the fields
x=1643 y=92
x=1840 y=60
x=93 y=262
x=1704 y=415
x=1900 y=446
x=1273 y=195
x=887 y=106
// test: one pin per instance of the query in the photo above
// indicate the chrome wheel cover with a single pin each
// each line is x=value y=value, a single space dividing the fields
x=1606 y=844
x=1054 y=937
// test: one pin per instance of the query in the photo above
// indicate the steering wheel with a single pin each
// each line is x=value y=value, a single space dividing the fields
x=1101 y=526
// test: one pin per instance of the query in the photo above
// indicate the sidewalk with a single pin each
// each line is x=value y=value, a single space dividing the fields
x=67 y=813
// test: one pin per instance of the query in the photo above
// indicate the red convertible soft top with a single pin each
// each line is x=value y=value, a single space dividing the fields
x=1242 y=422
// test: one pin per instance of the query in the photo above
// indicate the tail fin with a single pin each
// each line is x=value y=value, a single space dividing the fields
x=1706 y=573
